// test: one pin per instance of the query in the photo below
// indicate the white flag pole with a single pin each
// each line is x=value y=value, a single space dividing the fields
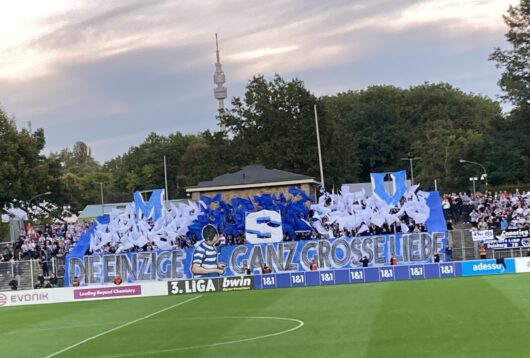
x=165 y=178
x=319 y=151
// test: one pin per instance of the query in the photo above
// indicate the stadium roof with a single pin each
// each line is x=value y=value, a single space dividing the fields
x=94 y=210
x=251 y=176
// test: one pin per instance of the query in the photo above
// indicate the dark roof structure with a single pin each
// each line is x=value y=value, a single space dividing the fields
x=253 y=174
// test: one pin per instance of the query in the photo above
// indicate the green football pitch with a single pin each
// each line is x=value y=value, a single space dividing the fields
x=462 y=317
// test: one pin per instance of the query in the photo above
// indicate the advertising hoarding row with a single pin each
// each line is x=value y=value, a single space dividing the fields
x=274 y=280
x=358 y=275
x=361 y=275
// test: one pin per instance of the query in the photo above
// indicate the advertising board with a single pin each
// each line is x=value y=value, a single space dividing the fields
x=358 y=275
x=70 y=294
x=522 y=264
x=487 y=267
x=215 y=284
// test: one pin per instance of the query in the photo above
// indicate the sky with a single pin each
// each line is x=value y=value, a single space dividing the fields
x=110 y=72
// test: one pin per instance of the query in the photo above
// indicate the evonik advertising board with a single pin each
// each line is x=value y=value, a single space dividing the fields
x=71 y=294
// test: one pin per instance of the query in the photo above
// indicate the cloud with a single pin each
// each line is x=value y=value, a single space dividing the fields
x=99 y=70
x=99 y=29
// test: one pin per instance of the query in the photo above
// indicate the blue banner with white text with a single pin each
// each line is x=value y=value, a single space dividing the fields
x=233 y=260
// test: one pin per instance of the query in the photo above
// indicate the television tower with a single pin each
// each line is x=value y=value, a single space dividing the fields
x=219 y=80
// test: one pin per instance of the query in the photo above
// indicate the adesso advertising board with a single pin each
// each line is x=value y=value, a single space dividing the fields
x=487 y=267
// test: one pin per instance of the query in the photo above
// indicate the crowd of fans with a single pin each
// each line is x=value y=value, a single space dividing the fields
x=482 y=211
x=190 y=240
x=333 y=216
x=334 y=228
x=43 y=244
x=489 y=210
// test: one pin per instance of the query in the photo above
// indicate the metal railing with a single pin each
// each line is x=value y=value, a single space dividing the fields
x=511 y=252
x=464 y=248
x=24 y=274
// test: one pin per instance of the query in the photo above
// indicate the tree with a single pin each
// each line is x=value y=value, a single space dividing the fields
x=77 y=159
x=24 y=171
x=82 y=154
x=507 y=150
x=142 y=167
x=274 y=125
x=515 y=62
x=434 y=121
x=76 y=175
x=510 y=145
x=212 y=154
x=446 y=125
x=373 y=120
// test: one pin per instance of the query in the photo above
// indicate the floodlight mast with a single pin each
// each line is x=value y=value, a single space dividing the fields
x=485 y=175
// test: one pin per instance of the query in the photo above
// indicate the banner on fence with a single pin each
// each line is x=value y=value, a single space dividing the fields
x=238 y=260
x=481 y=235
x=508 y=239
x=507 y=243
x=514 y=234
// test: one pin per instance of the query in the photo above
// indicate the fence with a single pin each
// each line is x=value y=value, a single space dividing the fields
x=464 y=248
x=26 y=273
x=511 y=252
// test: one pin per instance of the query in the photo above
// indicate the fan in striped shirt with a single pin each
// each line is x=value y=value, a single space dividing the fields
x=204 y=261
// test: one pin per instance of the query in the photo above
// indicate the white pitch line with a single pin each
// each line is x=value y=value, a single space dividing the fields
x=300 y=324
x=119 y=327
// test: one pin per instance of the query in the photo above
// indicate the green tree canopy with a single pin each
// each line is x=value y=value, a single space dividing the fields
x=274 y=125
x=436 y=122
x=515 y=61
x=24 y=170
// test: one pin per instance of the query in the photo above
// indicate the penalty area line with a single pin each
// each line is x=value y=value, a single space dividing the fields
x=120 y=326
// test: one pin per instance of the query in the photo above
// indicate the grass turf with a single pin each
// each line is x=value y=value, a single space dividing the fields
x=464 y=317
